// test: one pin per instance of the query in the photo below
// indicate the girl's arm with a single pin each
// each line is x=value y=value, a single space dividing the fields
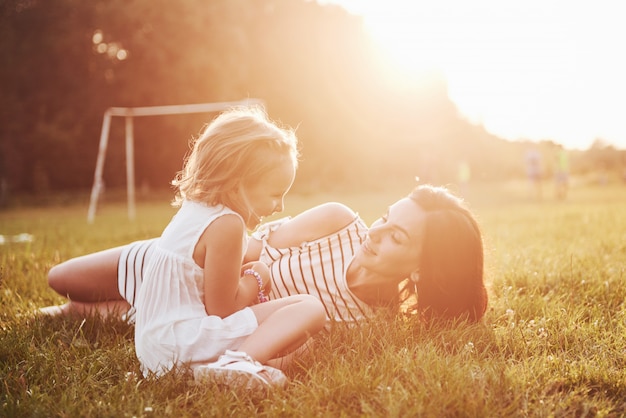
x=219 y=252
x=264 y=271
x=309 y=225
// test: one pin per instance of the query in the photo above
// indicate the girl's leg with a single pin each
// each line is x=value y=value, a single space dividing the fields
x=284 y=361
x=284 y=325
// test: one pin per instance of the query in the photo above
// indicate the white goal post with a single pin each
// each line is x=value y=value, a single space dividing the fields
x=129 y=113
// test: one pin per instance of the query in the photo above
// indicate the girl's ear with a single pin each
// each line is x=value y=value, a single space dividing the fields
x=415 y=276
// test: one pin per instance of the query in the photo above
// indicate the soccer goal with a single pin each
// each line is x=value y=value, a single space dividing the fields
x=129 y=113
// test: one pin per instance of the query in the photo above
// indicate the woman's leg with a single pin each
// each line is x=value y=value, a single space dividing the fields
x=90 y=284
x=89 y=278
x=82 y=310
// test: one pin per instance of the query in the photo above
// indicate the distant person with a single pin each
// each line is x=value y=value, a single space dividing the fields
x=428 y=245
x=198 y=305
x=561 y=175
x=534 y=171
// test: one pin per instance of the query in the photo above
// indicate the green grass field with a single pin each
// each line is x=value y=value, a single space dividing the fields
x=553 y=342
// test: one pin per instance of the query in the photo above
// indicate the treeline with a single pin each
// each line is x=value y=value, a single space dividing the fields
x=64 y=62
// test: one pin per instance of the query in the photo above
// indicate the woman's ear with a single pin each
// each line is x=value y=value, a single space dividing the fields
x=415 y=276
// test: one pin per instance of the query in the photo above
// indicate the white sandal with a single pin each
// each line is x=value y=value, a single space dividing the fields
x=236 y=368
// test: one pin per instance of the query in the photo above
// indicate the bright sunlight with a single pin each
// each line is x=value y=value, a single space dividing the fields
x=538 y=69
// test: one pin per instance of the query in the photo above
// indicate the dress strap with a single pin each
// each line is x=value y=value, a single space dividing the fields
x=263 y=231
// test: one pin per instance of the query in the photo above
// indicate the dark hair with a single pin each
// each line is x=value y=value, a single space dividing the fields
x=450 y=284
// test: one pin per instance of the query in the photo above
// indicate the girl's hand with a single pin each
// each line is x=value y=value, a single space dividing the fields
x=263 y=271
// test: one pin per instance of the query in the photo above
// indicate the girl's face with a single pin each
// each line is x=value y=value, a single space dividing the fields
x=394 y=241
x=266 y=195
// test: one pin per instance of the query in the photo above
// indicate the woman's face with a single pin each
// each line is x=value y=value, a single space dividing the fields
x=394 y=241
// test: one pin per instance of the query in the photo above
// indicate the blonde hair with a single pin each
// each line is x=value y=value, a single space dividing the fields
x=235 y=149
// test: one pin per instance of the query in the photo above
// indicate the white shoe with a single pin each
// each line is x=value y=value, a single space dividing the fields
x=236 y=368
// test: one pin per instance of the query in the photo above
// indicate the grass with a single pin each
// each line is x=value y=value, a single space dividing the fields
x=553 y=342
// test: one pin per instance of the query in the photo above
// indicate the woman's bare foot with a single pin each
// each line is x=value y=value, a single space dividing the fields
x=54 y=310
x=117 y=308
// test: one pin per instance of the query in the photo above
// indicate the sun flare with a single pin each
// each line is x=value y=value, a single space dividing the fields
x=535 y=69
x=407 y=44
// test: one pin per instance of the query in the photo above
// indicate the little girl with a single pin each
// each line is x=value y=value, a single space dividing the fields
x=197 y=303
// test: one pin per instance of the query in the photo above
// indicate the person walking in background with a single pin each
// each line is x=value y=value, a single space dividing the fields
x=197 y=305
x=561 y=174
x=534 y=171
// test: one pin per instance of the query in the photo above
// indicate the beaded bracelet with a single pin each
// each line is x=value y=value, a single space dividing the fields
x=259 y=280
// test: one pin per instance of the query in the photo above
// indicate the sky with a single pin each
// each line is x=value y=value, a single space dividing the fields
x=533 y=69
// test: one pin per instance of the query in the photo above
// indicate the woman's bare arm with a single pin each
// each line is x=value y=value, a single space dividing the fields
x=309 y=225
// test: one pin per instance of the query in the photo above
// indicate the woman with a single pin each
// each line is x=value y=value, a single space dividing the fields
x=427 y=245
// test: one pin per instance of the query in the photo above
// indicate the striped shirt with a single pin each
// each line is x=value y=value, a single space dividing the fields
x=318 y=268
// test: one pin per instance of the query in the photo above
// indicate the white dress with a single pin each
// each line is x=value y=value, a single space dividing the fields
x=172 y=326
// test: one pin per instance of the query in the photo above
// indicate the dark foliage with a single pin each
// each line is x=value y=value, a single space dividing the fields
x=64 y=62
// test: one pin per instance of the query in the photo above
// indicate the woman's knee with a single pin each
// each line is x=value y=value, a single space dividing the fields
x=81 y=280
x=57 y=278
x=88 y=278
